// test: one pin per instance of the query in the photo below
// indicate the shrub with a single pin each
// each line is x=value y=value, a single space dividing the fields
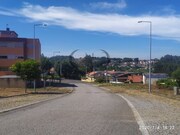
x=100 y=80
x=166 y=83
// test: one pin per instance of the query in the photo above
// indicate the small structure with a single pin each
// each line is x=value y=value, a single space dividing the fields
x=154 y=77
x=120 y=77
x=90 y=77
x=135 y=78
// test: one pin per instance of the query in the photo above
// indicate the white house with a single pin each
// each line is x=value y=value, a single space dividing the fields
x=154 y=77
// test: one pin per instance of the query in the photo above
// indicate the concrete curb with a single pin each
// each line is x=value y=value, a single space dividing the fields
x=137 y=116
x=34 y=103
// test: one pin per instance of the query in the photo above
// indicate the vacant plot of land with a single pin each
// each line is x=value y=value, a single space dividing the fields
x=14 y=97
x=9 y=92
x=136 y=89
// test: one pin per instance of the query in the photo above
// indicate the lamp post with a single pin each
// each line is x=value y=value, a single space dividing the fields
x=34 y=48
x=150 y=45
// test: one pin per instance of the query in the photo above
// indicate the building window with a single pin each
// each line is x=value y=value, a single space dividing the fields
x=3 y=57
x=20 y=57
x=11 y=44
x=11 y=56
x=4 y=69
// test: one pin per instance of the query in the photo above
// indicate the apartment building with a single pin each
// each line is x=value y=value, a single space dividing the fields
x=13 y=49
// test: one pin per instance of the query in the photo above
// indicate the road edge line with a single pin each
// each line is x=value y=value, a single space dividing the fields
x=137 y=116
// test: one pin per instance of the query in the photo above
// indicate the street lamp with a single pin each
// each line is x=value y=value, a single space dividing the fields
x=150 y=43
x=34 y=50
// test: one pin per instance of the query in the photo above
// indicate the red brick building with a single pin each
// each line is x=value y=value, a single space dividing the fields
x=13 y=49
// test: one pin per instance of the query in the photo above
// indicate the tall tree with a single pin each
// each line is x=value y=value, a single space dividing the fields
x=69 y=69
x=167 y=64
x=45 y=64
x=88 y=63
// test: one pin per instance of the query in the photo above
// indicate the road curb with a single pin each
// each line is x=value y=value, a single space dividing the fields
x=137 y=116
x=34 y=103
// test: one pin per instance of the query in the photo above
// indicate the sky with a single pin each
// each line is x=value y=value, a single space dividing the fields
x=92 y=25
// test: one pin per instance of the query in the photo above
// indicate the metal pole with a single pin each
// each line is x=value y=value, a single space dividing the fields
x=34 y=43
x=150 y=56
x=34 y=55
x=150 y=51
x=34 y=48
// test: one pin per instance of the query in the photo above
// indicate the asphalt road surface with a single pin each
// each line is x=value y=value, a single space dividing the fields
x=87 y=111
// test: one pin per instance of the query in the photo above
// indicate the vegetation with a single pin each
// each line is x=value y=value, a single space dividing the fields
x=176 y=76
x=166 y=83
x=28 y=70
x=76 y=68
x=69 y=70
x=167 y=64
x=100 y=80
x=45 y=67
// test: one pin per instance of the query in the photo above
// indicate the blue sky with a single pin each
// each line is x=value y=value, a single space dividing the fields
x=97 y=24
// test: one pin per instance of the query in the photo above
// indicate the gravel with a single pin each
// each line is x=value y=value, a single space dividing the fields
x=160 y=115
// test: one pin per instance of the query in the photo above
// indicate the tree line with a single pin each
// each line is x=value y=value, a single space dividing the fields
x=167 y=64
x=71 y=68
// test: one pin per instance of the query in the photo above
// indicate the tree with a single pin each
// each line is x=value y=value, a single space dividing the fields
x=70 y=69
x=45 y=67
x=45 y=64
x=127 y=60
x=88 y=62
x=28 y=70
x=136 y=60
x=176 y=75
x=167 y=64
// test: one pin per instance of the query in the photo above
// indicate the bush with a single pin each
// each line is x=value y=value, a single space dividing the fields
x=166 y=83
x=100 y=80
x=176 y=76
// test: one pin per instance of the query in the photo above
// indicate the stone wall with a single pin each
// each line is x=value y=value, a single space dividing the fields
x=12 y=83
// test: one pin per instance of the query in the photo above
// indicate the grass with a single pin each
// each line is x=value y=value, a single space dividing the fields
x=136 y=89
x=9 y=92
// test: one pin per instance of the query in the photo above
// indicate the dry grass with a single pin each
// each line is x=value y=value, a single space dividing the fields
x=137 y=89
x=8 y=92
x=141 y=92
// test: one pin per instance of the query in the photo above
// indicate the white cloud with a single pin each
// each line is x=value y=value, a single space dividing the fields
x=105 y=5
x=6 y=12
x=163 y=26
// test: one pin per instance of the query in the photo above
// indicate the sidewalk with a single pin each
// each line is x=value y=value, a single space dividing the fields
x=160 y=115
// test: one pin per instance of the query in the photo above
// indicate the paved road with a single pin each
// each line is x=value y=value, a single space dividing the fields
x=87 y=111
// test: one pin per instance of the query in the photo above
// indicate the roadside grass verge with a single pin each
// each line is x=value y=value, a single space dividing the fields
x=11 y=92
x=139 y=89
x=16 y=97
